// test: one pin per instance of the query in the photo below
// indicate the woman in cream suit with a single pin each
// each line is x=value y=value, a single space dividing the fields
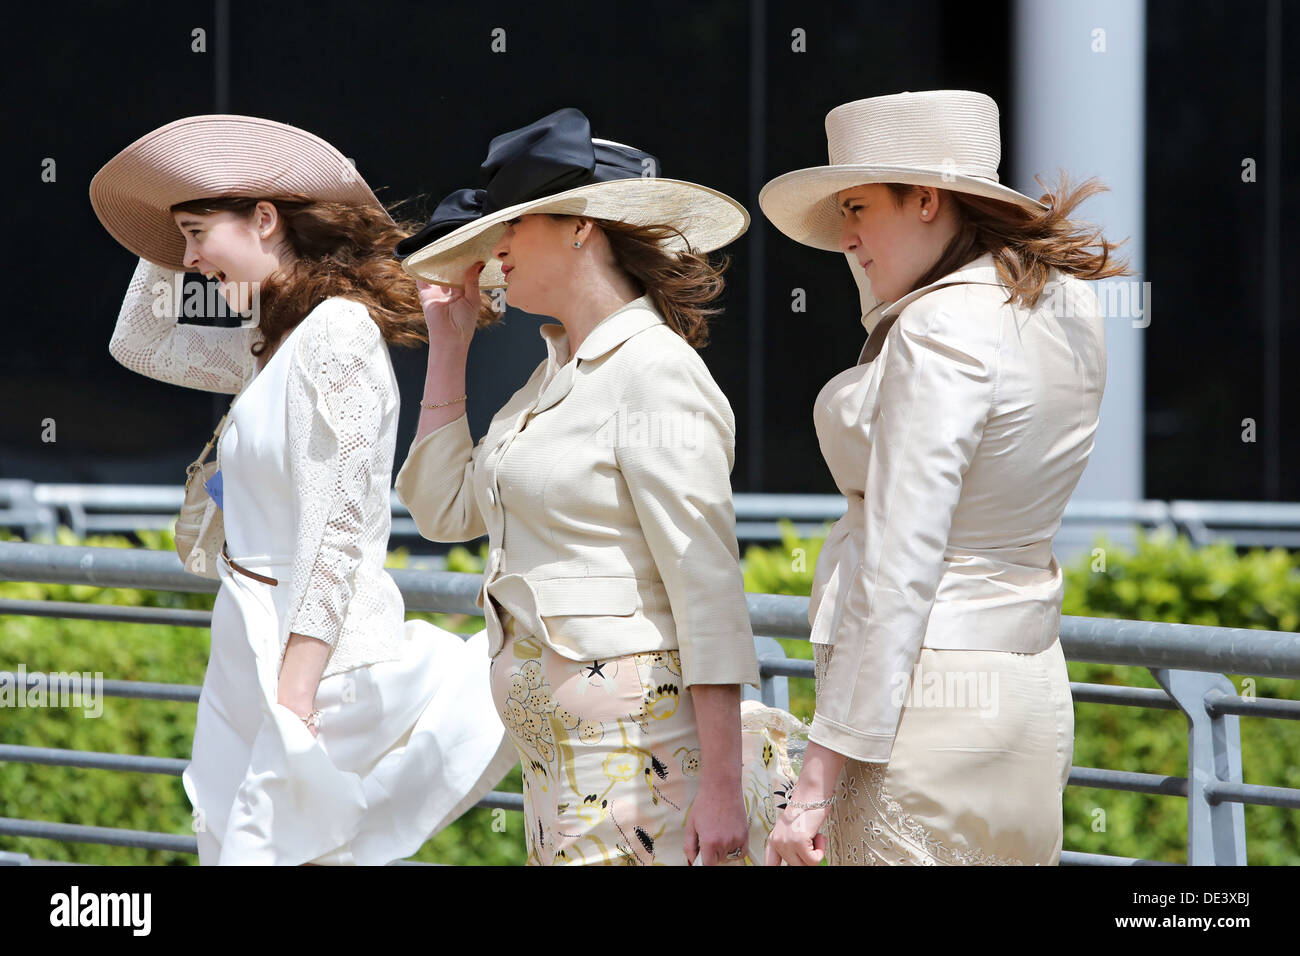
x=613 y=596
x=944 y=727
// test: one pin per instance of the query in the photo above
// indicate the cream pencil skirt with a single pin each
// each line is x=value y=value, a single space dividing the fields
x=978 y=768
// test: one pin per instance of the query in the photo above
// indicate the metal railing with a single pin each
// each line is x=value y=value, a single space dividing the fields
x=38 y=509
x=1188 y=661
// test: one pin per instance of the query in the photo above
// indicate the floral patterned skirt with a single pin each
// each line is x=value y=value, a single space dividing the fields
x=979 y=764
x=611 y=755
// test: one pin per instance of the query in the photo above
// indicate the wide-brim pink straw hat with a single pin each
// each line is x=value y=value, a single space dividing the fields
x=203 y=157
x=943 y=138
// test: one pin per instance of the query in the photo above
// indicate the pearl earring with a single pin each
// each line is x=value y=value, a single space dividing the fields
x=925 y=212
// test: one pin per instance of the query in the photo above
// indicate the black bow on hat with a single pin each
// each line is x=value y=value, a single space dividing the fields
x=550 y=156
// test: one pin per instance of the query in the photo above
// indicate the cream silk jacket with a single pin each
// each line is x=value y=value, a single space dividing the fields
x=604 y=488
x=340 y=434
x=957 y=446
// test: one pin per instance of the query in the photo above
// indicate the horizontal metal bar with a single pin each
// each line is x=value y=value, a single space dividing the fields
x=770 y=666
x=103 y=567
x=1075 y=858
x=92 y=760
x=1196 y=647
x=175 y=617
x=1217 y=703
x=501 y=800
x=149 y=840
x=1152 y=697
x=134 y=689
x=1104 y=640
x=1222 y=791
x=1128 y=781
x=112 y=836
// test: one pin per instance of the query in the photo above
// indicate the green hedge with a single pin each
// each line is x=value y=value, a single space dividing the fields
x=1163 y=579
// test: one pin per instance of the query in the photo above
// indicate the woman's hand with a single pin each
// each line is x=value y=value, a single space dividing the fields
x=795 y=839
x=452 y=314
x=300 y=673
x=717 y=825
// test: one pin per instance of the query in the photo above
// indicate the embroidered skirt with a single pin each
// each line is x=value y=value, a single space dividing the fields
x=979 y=764
x=611 y=759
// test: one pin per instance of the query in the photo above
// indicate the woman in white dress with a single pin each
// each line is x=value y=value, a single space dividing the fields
x=329 y=730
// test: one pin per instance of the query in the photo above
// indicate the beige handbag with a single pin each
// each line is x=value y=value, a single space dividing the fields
x=200 y=528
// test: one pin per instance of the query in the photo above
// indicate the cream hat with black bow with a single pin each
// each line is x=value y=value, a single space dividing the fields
x=943 y=138
x=554 y=165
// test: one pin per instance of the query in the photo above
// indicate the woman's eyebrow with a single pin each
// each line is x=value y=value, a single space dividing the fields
x=191 y=222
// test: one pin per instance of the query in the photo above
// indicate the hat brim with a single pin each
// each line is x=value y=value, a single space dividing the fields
x=202 y=157
x=802 y=203
x=707 y=219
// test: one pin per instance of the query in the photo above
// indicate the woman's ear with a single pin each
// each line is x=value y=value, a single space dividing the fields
x=266 y=219
x=929 y=198
x=582 y=227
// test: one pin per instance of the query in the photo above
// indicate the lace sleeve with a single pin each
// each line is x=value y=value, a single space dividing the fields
x=339 y=389
x=149 y=340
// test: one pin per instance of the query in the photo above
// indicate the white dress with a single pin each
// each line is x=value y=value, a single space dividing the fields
x=409 y=737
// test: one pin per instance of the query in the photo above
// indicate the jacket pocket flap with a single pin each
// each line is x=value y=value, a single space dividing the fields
x=561 y=597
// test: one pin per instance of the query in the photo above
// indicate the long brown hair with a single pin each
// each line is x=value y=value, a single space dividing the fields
x=1026 y=244
x=337 y=249
x=681 y=284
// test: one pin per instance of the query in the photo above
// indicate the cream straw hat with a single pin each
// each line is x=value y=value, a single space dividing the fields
x=943 y=138
x=202 y=157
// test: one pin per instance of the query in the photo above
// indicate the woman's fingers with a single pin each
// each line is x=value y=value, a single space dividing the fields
x=770 y=856
x=691 y=845
x=471 y=281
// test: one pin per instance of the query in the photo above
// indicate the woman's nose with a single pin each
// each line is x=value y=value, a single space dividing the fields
x=191 y=255
x=848 y=238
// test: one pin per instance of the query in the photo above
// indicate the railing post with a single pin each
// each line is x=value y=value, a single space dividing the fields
x=775 y=690
x=1216 y=830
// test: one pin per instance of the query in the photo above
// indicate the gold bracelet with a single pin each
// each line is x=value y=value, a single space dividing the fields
x=441 y=404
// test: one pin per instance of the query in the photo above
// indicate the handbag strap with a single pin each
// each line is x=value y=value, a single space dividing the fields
x=207 y=449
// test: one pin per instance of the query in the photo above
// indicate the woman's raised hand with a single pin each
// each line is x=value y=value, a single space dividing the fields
x=452 y=313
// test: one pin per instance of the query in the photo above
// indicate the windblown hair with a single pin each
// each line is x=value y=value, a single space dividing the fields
x=1026 y=244
x=681 y=284
x=337 y=249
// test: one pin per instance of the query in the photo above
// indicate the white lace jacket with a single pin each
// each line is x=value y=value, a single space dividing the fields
x=342 y=407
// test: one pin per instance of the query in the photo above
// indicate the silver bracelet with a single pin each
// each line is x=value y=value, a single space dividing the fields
x=819 y=805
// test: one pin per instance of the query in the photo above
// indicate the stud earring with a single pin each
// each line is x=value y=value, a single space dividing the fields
x=577 y=245
x=925 y=212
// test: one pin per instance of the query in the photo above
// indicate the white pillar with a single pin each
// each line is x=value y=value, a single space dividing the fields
x=1079 y=89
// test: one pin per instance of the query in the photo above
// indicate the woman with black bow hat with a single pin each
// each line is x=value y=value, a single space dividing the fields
x=613 y=595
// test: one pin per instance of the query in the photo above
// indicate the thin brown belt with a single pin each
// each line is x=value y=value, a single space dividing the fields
x=244 y=571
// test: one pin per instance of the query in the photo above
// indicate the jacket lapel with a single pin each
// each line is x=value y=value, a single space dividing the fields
x=612 y=331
